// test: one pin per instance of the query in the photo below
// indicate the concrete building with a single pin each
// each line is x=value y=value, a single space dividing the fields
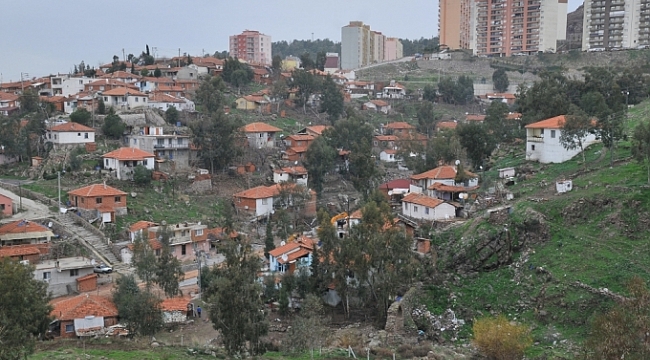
x=616 y=24
x=70 y=133
x=171 y=149
x=355 y=45
x=251 y=46
x=503 y=27
x=393 y=49
x=543 y=141
x=61 y=275
x=124 y=160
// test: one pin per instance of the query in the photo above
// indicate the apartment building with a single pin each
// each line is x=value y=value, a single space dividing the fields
x=503 y=27
x=251 y=46
x=616 y=24
x=393 y=49
x=361 y=46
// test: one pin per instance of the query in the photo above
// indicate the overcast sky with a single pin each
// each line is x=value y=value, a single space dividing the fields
x=40 y=37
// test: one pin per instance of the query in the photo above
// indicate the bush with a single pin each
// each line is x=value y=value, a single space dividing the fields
x=141 y=175
x=113 y=126
x=498 y=338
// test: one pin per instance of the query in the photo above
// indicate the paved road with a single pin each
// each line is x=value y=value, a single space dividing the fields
x=32 y=209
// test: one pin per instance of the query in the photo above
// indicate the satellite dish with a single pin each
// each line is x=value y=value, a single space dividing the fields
x=199 y=223
x=285 y=257
x=457 y=162
x=49 y=224
x=282 y=243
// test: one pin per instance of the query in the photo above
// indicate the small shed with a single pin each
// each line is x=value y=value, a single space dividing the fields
x=506 y=173
x=36 y=161
x=563 y=186
x=175 y=310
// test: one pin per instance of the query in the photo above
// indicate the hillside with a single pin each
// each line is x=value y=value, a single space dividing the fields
x=544 y=263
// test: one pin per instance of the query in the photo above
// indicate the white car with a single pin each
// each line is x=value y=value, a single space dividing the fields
x=102 y=269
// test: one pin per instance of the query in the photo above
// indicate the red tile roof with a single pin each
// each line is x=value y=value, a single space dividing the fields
x=153 y=243
x=175 y=304
x=278 y=251
x=300 y=137
x=84 y=305
x=552 y=123
x=72 y=127
x=141 y=225
x=390 y=151
x=318 y=129
x=396 y=184
x=513 y=116
x=122 y=92
x=399 y=125
x=474 y=117
x=11 y=251
x=257 y=127
x=22 y=226
x=260 y=192
x=380 y=103
x=218 y=233
x=441 y=172
x=97 y=190
x=89 y=276
x=294 y=256
x=293 y=170
x=5 y=96
x=421 y=199
x=129 y=154
x=386 y=137
x=447 y=125
x=297 y=149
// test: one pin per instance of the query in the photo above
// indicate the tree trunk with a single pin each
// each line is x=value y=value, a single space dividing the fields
x=584 y=157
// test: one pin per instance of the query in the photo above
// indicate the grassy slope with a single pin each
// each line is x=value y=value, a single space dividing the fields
x=600 y=245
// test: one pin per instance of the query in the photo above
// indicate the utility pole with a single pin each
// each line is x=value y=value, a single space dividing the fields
x=20 y=187
x=59 y=182
x=179 y=57
x=123 y=56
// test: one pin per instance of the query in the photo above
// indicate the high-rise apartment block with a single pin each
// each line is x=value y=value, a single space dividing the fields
x=502 y=27
x=616 y=24
x=251 y=46
x=361 y=46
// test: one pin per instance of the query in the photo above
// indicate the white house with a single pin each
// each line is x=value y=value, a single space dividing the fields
x=543 y=141
x=298 y=174
x=61 y=274
x=139 y=229
x=445 y=175
x=124 y=98
x=123 y=160
x=393 y=91
x=164 y=101
x=292 y=256
x=261 y=135
x=377 y=105
x=70 y=133
x=423 y=207
x=257 y=201
x=388 y=155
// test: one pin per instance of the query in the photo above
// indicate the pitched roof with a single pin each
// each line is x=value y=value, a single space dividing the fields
x=162 y=97
x=278 y=251
x=318 y=129
x=300 y=137
x=10 y=251
x=294 y=256
x=259 y=192
x=122 y=91
x=357 y=214
x=141 y=225
x=513 y=116
x=449 y=188
x=380 y=103
x=399 y=125
x=218 y=233
x=396 y=184
x=390 y=151
x=128 y=154
x=293 y=170
x=22 y=226
x=421 y=199
x=447 y=125
x=96 y=190
x=72 y=127
x=84 y=305
x=5 y=96
x=441 y=172
x=551 y=123
x=257 y=127
x=474 y=117
x=175 y=304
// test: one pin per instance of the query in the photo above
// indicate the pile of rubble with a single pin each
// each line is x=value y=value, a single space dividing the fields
x=433 y=326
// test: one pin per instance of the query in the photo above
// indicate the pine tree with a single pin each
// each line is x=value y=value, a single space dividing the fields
x=268 y=241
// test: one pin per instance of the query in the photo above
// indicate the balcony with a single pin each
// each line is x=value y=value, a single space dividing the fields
x=171 y=146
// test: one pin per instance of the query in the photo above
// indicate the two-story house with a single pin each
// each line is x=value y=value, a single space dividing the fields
x=260 y=135
x=423 y=207
x=257 y=201
x=70 y=133
x=24 y=232
x=174 y=149
x=297 y=174
x=297 y=146
x=9 y=103
x=441 y=182
x=123 y=160
x=62 y=275
x=543 y=141
x=99 y=201
x=292 y=257
x=185 y=239
x=124 y=98
x=163 y=102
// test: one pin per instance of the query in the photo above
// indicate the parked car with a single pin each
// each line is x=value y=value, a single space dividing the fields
x=102 y=269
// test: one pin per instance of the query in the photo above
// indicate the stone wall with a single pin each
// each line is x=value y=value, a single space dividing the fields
x=399 y=317
x=200 y=186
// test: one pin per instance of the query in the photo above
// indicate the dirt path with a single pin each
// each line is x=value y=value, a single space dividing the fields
x=32 y=209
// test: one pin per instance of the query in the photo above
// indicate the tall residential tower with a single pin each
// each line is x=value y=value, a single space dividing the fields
x=361 y=46
x=616 y=24
x=251 y=46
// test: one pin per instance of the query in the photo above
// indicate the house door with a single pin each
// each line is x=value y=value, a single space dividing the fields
x=106 y=217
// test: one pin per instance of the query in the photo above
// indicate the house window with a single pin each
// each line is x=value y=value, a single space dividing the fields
x=157 y=252
x=2 y=206
x=106 y=162
x=85 y=135
x=552 y=134
x=74 y=272
x=144 y=162
x=426 y=210
x=183 y=249
x=105 y=98
x=83 y=200
x=137 y=99
x=69 y=328
x=415 y=209
x=264 y=201
x=98 y=200
x=199 y=232
x=49 y=136
x=118 y=199
x=78 y=134
x=532 y=147
x=47 y=275
x=180 y=142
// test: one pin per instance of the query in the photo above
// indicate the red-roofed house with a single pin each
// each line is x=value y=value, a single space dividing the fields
x=394 y=188
x=315 y=130
x=138 y=228
x=62 y=274
x=9 y=103
x=175 y=309
x=83 y=315
x=474 y=117
x=445 y=174
x=388 y=155
x=6 y=205
x=398 y=128
x=123 y=160
x=124 y=98
x=423 y=207
x=543 y=141
x=21 y=253
x=70 y=133
x=185 y=239
x=99 y=200
x=446 y=125
x=258 y=200
x=24 y=232
x=126 y=252
x=260 y=135
x=377 y=105
x=297 y=146
x=258 y=103
x=293 y=256
x=297 y=174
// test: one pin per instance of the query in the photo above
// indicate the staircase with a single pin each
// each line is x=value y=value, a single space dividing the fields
x=98 y=245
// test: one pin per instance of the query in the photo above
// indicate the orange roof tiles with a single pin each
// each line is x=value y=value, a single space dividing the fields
x=447 y=125
x=294 y=256
x=96 y=190
x=218 y=233
x=259 y=192
x=399 y=125
x=278 y=251
x=11 y=251
x=175 y=304
x=89 y=276
x=318 y=129
x=293 y=170
x=257 y=127
x=386 y=137
x=421 y=199
x=552 y=123
x=22 y=226
x=153 y=243
x=390 y=151
x=5 y=96
x=356 y=215
x=513 y=116
x=123 y=91
x=474 y=117
x=300 y=137
x=84 y=305
x=380 y=103
x=441 y=172
x=162 y=97
x=72 y=127
x=128 y=154
x=141 y=225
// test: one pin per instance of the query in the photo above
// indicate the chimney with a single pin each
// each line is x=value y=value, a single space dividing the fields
x=104 y=184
